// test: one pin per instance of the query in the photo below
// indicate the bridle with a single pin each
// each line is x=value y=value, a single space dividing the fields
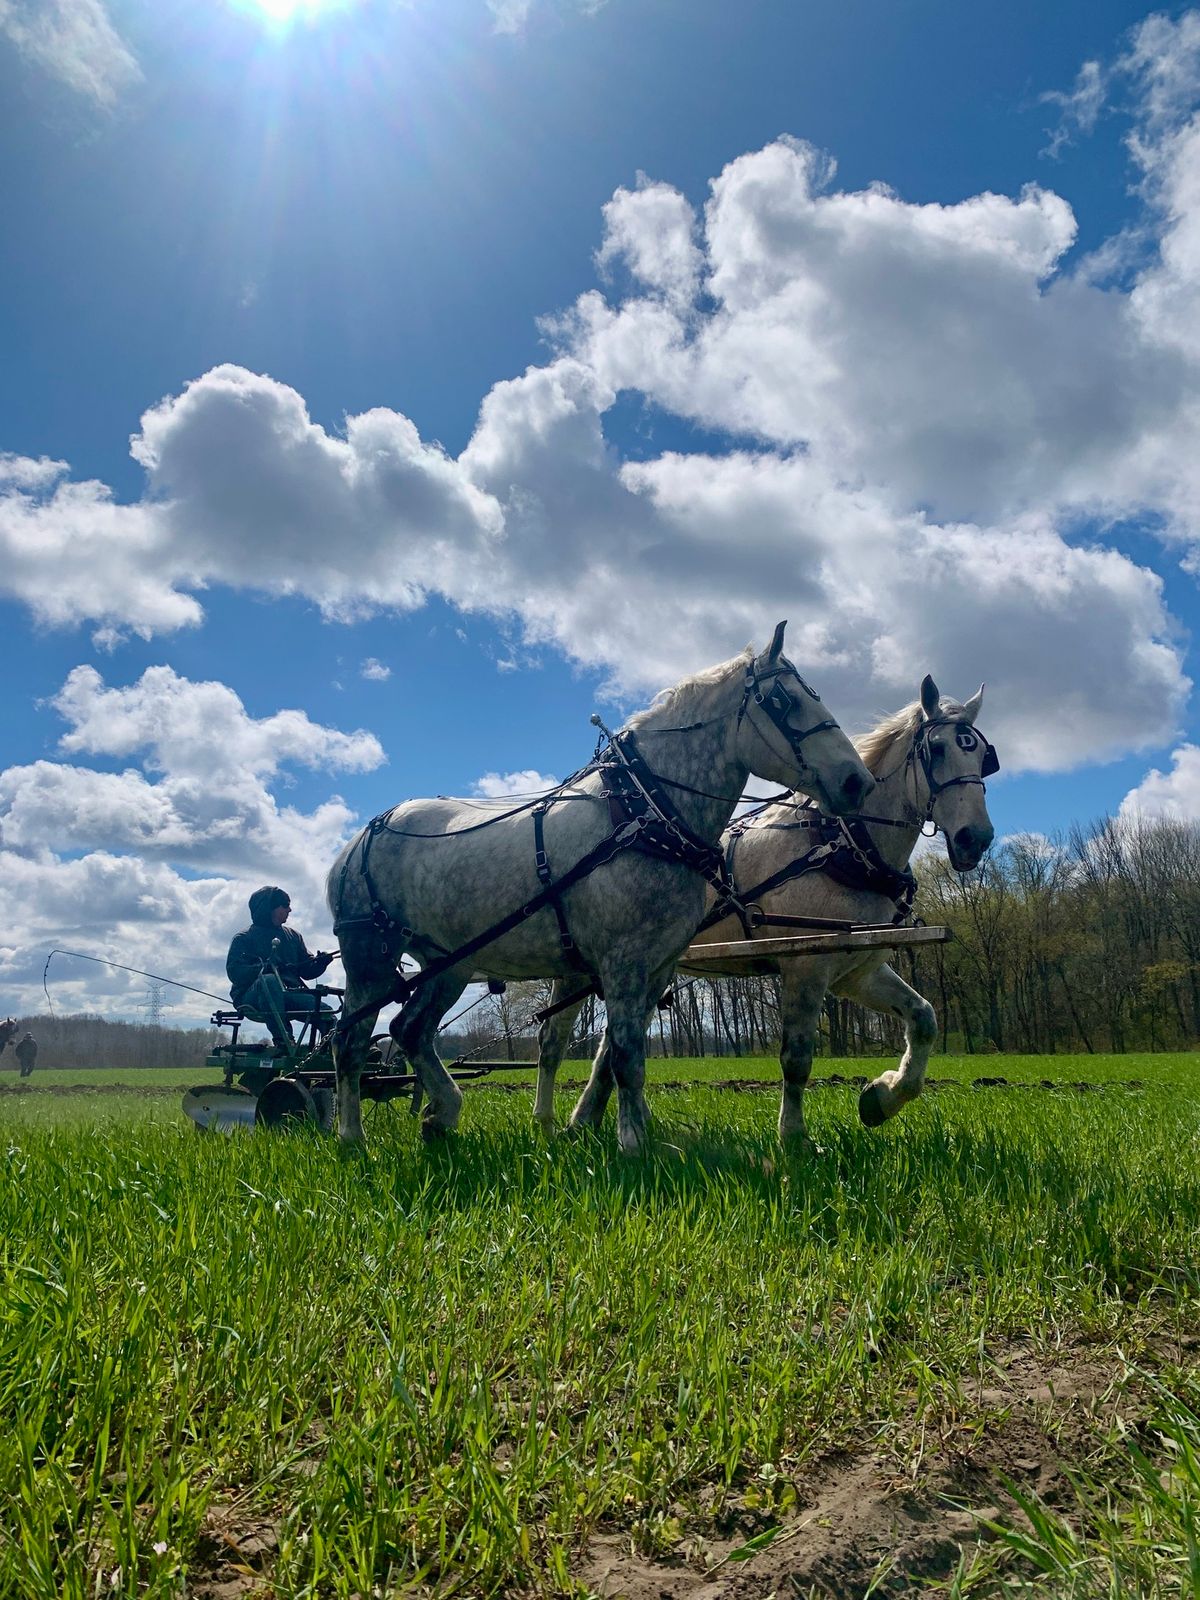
x=967 y=738
x=778 y=704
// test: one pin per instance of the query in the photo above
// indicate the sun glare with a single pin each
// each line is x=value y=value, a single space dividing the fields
x=283 y=11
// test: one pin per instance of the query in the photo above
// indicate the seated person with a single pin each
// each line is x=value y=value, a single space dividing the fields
x=267 y=964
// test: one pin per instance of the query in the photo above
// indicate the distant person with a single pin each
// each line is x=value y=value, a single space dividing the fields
x=267 y=964
x=26 y=1049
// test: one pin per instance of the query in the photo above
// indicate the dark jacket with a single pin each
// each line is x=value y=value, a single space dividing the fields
x=251 y=950
x=26 y=1049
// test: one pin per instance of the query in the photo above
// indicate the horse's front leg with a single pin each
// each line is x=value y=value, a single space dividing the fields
x=369 y=979
x=800 y=998
x=629 y=999
x=553 y=1038
x=883 y=989
x=593 y=1102
x=415 y=1030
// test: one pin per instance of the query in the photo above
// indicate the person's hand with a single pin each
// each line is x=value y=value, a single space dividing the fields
x=324 y=957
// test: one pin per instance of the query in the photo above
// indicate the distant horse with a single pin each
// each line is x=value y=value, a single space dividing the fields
x=929 y=765
x=430 y=876
x=8 y=1029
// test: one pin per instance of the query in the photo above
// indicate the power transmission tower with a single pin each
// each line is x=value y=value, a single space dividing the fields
x=155 y=1004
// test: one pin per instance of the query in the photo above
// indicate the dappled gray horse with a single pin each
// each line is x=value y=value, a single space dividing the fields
x=929 y=764
x=430 y=876
x=8 y=1029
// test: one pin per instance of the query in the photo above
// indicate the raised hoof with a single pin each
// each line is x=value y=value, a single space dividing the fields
x=871 y=1111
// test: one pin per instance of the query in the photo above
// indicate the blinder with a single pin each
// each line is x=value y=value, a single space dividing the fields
x=778 y=702
x=966 y=738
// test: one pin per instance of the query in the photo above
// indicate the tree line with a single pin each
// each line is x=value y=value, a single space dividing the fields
x=83 y=1041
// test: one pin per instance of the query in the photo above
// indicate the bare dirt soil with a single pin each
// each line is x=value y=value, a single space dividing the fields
x=898 y=1518
x=233 y=1559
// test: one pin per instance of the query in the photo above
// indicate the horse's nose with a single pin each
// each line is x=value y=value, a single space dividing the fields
x=856 y=784
x=970 y=843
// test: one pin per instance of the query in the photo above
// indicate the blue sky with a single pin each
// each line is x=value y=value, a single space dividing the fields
x=935 y=405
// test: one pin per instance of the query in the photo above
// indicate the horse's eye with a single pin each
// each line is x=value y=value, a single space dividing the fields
x=936 y=752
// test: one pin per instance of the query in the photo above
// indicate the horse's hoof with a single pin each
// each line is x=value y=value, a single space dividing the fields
x=871 y=1111
x=800 y=1145
x=436 y=1132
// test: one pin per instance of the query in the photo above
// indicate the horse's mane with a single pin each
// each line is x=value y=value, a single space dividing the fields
x=875 y=747
x=679 y=695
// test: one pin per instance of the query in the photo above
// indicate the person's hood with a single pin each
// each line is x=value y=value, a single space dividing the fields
x=264 y=901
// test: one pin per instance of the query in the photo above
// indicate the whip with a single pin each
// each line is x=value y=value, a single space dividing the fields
x=120 y=966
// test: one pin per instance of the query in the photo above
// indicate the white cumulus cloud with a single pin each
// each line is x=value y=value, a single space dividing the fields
x=1174 y=794
x=152 y=865
x=499 y=785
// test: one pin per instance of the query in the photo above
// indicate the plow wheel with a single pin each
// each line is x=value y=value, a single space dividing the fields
x=285 y=1103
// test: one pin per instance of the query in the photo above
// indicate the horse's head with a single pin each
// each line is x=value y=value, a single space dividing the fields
x=951 y=760
x=786 y=734
x=7 y=1029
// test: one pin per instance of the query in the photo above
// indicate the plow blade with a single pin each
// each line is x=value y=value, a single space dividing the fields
x=220 y=1108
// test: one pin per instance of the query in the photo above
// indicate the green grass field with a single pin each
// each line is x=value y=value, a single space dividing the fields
x=446 y=1369
x=1181 y=1068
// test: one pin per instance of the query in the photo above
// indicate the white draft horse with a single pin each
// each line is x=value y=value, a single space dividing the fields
x=430 y=876
x=929 y=764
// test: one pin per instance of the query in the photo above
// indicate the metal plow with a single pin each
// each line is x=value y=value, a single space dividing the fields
x=219 y=1109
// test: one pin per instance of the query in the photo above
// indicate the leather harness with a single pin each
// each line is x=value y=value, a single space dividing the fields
x=644 y=819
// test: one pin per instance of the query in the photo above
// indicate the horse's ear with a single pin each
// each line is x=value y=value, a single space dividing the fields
x=776 y=649
x=931 y=700
x=971 y=709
